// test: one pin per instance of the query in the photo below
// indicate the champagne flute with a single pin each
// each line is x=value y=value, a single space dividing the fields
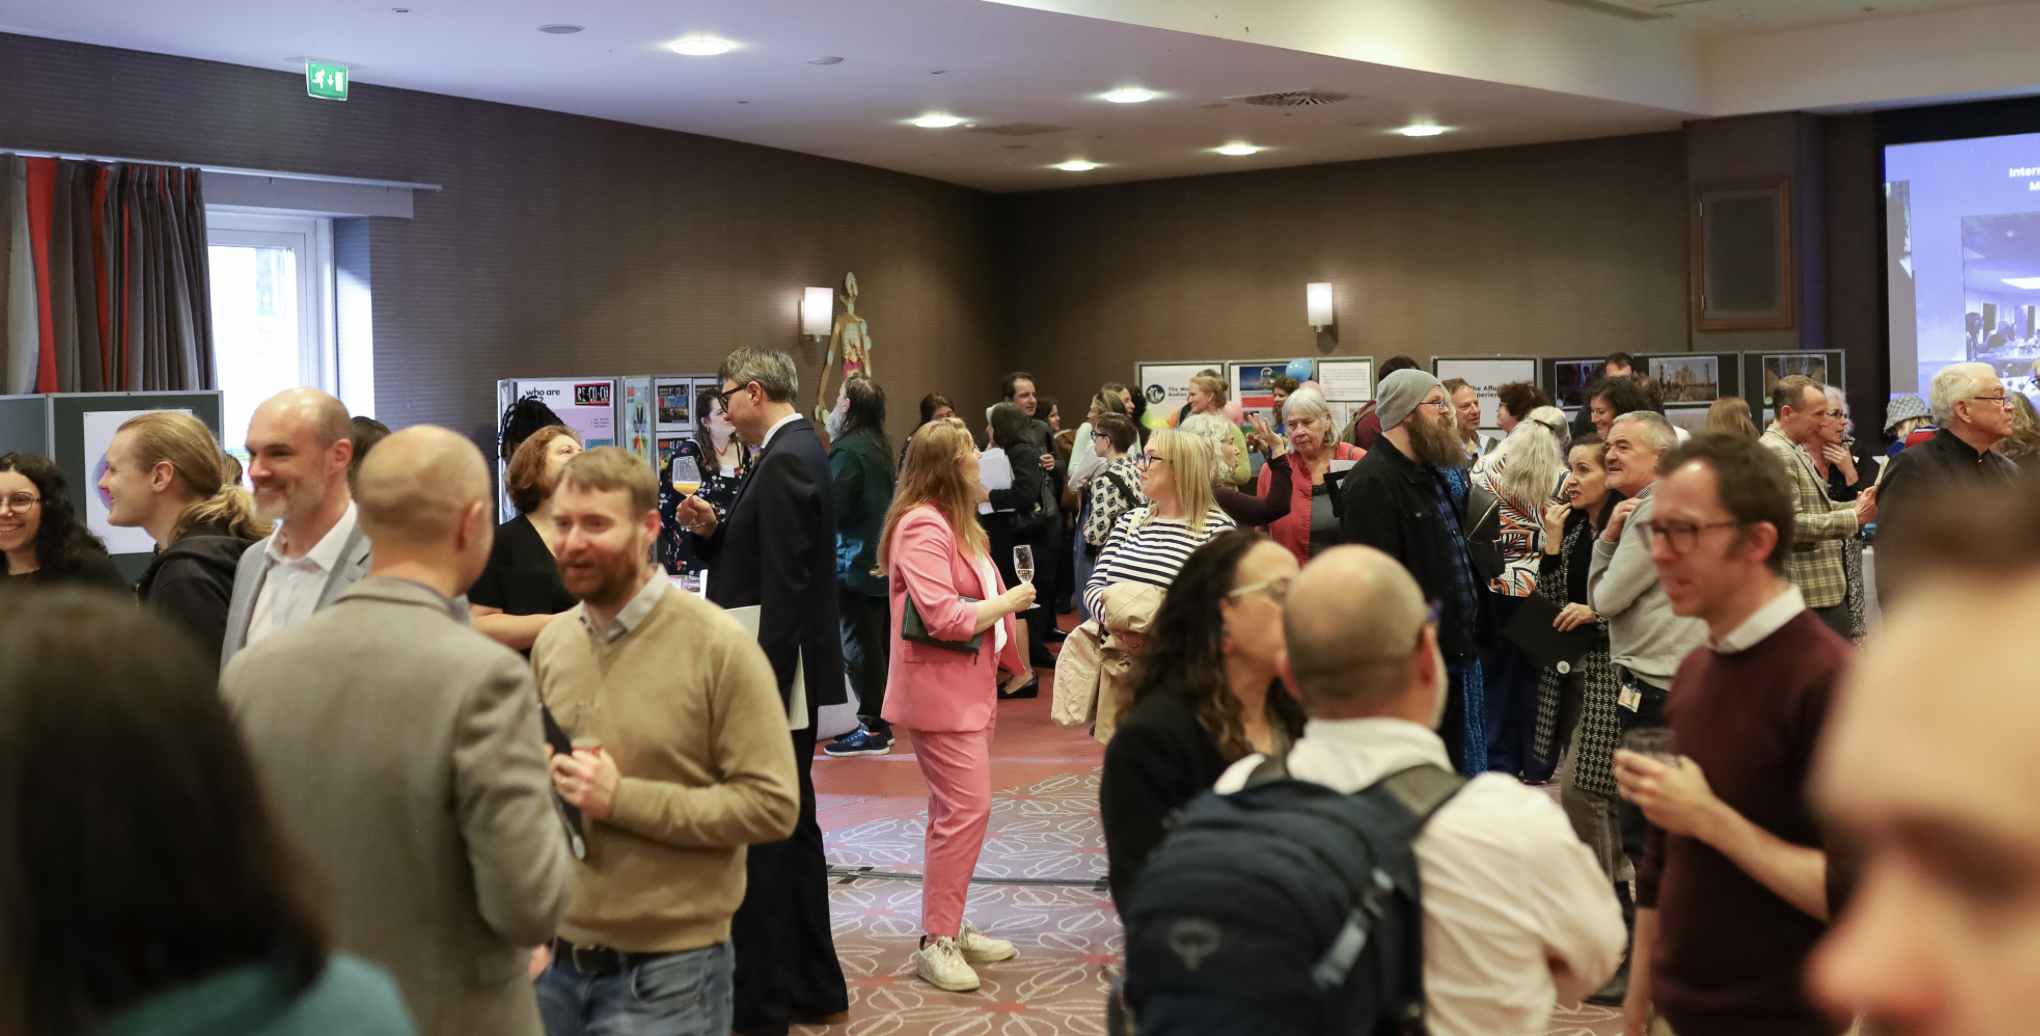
x=1023 y=566
x=686 y=476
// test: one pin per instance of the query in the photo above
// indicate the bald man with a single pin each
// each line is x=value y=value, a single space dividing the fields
x=1517 y=915
x=402 y=752
x=299 y=446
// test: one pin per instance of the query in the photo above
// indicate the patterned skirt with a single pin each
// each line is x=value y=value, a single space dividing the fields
x=1600 y=732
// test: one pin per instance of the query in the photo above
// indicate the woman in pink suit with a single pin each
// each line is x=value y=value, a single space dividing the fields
x=935 y=556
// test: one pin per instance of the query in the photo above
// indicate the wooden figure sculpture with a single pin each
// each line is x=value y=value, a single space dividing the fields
x=850 y=338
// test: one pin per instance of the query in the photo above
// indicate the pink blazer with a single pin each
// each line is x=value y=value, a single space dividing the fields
x=929 y=688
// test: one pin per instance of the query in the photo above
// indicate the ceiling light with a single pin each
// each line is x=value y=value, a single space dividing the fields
x=701 y=47
x=937 y=120
x=2027 y=283
x=560 y=30
x=1239 y=149
x=1130 y=95
x=1423 y=130
x=830 y=60
x=1077 y=165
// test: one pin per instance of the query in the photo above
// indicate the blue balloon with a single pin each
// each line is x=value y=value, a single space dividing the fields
x=1301 y=368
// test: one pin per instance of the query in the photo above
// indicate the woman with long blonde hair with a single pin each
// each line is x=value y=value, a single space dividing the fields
x=165 y=474
x=1149 y=544
x=952 y=631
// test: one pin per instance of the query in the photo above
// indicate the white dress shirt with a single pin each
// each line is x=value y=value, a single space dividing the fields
x=291 y=586
x=1517 y=915
x=1762 y=623
x=774 y=430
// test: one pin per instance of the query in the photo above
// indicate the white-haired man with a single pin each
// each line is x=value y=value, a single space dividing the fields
x=1974 y=412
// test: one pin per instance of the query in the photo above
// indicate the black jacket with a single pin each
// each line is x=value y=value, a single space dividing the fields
x=1388 y=502
x=1159 y=758
x=191 y=582
x=777 y=550
x=1913 y=478
x=1024 y=498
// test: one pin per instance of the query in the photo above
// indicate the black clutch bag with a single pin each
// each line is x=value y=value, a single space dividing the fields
x=914 y=631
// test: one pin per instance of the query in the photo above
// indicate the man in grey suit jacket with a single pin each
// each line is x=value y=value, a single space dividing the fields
x=298 y=448
x=402 y=752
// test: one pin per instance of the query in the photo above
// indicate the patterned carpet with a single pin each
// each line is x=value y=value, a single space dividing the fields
x=1039 y=884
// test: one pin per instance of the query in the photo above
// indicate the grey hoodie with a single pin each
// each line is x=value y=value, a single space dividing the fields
x=1622 y=587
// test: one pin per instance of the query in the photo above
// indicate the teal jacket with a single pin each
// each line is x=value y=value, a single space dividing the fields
x=350 y=998
x=863 y=478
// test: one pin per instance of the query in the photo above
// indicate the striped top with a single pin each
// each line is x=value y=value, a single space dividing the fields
x=1151 y=553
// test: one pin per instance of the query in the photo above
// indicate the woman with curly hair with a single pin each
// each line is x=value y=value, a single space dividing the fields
x=1206 y=696
x=40 y=531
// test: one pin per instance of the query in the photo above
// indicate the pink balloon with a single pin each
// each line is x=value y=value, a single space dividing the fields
x=1234 y=414
x=1312 y=385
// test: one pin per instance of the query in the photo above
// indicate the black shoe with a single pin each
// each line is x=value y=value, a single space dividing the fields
x=858 y=742
x=1039 y=657
x=1615 y=991
x=1030 y=689
x=1055 y=635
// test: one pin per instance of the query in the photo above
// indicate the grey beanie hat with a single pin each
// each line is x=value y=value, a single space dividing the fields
x=1902 y=407
x=1399 y=393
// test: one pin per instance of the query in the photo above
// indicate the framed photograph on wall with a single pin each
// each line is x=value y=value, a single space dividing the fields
x=1253 y=383
x=1687 y=379
x=1570 y=378
x=676 y=403
x=1761 y=371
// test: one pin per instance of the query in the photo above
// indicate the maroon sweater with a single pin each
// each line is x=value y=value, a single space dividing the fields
x=1731 y=954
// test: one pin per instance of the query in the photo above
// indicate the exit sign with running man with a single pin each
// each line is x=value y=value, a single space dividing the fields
x=326 y=81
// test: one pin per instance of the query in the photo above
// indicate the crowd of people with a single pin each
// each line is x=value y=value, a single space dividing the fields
x=369 y=760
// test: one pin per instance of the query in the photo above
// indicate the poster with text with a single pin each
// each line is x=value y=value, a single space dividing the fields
x=1346 y=380
x=1166 y=387
x=1253 y=383
x=1486 y=374
x=99 y=428
x=637 y=416
x=588 y=405
x=676 y=404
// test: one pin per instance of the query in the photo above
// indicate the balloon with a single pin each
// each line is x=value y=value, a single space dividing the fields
x=1301 y=368
x=1234 y=414
x=1312 y=385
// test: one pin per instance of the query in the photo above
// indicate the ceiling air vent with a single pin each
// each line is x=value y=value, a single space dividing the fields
x=1292 y=98
x=1634 y=10
x=1019 y=129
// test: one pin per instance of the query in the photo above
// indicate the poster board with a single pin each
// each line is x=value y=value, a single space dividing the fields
x=1761 y=370
x=1566 y=379
x=1252 y=383
x=1486 y=374
x=636 y=417
x=588 y=405
x=81 y=427
x=1348 y=384
x=675 y=402
x=1166 y=386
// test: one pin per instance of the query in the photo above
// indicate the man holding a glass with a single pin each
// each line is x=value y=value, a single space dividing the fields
x=1732 y=889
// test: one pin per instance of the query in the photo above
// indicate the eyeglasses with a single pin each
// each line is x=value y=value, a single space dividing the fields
x=1997 y=401
x=1833 y=413
x=1680 y=536
x=1278 y=589
x=19 y=501
x=1438 y=403
x=1146 y=459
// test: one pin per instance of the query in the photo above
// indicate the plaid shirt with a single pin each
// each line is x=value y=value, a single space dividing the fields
x=1463 y=608
x=1819 y=528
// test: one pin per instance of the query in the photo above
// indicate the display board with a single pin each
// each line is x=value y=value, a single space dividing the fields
x=587 y=405
x=1486 y=374
x=682 y=403
x=1566 y=378
x=1761 y=371
x=81 y=426
x=1690 y=383
x=1253 y=383
x=1166 y=386
x=1348 y=384
x=636 y=416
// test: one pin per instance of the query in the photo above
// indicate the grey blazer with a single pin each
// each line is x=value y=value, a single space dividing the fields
x=401 y=751
x=354 y=557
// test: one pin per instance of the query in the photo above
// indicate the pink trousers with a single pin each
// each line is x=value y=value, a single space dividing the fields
x=958 y=769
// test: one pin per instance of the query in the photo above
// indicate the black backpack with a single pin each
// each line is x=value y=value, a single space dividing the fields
x=1285 y=908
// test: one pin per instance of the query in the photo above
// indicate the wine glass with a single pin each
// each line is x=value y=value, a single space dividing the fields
x=686 y=476
x=1023 y=566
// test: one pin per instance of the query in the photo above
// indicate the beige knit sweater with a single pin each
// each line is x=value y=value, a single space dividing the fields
x=687 y=705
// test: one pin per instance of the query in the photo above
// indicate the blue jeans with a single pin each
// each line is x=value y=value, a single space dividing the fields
x=671 y=994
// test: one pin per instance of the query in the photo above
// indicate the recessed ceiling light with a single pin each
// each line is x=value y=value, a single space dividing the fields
x=937 y=120
x=701 y=47
x=560 y=30
x=1130 y=95
x=2025 y=283
x=831 y=60
x=1238 y=149
x=1421 y=131
x=1077 y=165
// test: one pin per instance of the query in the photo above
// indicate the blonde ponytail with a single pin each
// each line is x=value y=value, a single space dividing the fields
x=196 y=458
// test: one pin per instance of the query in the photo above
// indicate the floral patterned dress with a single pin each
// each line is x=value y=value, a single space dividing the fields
x=718 y=487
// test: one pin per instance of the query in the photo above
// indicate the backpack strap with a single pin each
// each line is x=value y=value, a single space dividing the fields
x=1272 y=767
x=1422 y=789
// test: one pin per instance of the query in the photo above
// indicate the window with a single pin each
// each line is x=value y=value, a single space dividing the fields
x=272 y=311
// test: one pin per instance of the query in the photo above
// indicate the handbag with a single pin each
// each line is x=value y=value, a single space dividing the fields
x=914 y=631
x=1481 y=527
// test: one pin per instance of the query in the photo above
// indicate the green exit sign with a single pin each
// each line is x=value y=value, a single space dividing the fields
x=327 y=81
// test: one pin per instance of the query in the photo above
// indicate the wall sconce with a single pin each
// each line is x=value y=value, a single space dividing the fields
x=817 y=312
x=1317 y=300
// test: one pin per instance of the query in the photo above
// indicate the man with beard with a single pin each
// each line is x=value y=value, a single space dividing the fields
x=299 y=445
x=680 y=761
x=1399 y=499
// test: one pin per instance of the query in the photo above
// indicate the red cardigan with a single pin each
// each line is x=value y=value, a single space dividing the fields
x=1294 y=531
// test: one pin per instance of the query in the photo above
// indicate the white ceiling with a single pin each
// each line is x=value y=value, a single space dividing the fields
x=1043 y=62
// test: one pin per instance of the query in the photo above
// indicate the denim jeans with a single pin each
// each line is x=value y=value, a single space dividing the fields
x=672 y=994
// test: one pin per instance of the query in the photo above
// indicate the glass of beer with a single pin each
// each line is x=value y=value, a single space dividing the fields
x=686 y=476
x=1656 y=742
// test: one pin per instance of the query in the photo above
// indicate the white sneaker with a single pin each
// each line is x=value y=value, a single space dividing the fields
x=979 y=948
x=941 y=964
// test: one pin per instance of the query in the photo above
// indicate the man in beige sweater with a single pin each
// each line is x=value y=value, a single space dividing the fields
x=680 y=760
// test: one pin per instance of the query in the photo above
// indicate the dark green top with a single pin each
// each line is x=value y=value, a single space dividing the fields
x=863 y=480
x=350 y=998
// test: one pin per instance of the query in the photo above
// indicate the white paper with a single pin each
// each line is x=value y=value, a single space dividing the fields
x=995 y=471
x=1486 y=375
x=796 y=705
x=100 y=426
x=1346 y=381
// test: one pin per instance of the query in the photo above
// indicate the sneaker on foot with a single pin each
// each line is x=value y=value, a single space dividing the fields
x=859 y=742
x=941 y=964
x=979 y=948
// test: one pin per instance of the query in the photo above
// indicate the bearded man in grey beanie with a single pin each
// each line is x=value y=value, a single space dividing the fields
x=1405 y=499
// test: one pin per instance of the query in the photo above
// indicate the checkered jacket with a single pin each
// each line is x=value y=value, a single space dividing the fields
x=1819 y=528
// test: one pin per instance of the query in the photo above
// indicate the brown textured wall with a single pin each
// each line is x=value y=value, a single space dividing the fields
x=561 y=245
x=1573 y=248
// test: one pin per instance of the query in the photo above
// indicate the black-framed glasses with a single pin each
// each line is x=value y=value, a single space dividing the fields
x=1682 y=537
x=19 y=501
x=1146 y=459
